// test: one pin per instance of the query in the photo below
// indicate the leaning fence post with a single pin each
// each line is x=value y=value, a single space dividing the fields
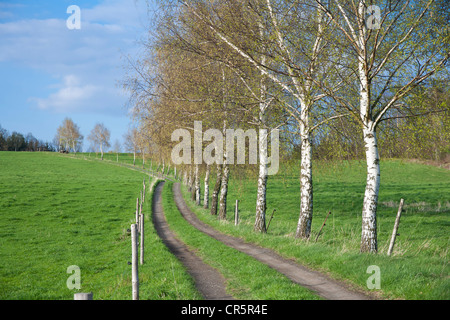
x=323 y=225
x=141 y=226
x=134 y=262
x=236 y=213
x=394 y=232
x=270 y=220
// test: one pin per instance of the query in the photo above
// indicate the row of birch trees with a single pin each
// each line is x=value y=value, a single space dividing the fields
x=293 y=65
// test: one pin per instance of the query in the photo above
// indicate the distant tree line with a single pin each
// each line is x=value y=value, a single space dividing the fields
x=18 y=142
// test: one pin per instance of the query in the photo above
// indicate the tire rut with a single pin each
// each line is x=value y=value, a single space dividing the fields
x=209 y=282
x=317 y=282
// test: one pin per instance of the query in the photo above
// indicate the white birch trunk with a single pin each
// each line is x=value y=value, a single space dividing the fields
x=306 y=183
x=260 y=220
x=216 y=190
x=190 y=179
x=206 y=195
x=369 y=212
x=193 y=185
x=224 y=183
x=224 y=192
x=306 y=189
x=197 y=185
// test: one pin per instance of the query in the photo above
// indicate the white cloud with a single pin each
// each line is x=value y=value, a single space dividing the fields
x=72 y=96
x=75 y=96
x=87 y=62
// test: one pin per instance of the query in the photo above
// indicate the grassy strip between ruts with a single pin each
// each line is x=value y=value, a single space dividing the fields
x=56 y=212
x=246 y=277
x=418 y=269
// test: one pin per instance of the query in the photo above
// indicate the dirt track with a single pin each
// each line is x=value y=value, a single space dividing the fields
x=209 y=281
x=315 y=281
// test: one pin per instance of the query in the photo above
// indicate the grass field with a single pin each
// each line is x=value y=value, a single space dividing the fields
x=60 y=210
x=418 y=268
x=56 y=212
x=247 y=278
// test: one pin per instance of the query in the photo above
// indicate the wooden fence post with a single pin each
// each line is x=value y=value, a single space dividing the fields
x=140 y=209
x=320 y=231
x=83 y=296
x=141 y=226
x=143 y=194
x=137 y=210
x=394 y=232
x=270 y=220
x=236 y=213
x=134 y=262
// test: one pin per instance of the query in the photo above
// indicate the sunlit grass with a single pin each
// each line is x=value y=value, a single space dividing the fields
x=418 y=268
x=246 y=277
x=56 y=212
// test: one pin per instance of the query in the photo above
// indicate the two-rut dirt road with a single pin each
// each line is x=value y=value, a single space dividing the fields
x=211 y=283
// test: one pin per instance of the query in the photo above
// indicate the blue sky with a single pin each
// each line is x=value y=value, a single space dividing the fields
x=49 y=72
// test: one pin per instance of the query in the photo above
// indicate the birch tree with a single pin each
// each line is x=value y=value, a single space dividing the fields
x=99 y=137
x=116 y=148
x=131 y=142
x=282 y=43
x=392 y=48
x=69 y=136
x=173 y=100
x=206 y=187
x=216 y=189
x=287 y=53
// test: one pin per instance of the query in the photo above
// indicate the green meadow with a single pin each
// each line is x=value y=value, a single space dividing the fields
x=56 y=212
x=418 y=267
x=247 y=278
x=62 y=210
